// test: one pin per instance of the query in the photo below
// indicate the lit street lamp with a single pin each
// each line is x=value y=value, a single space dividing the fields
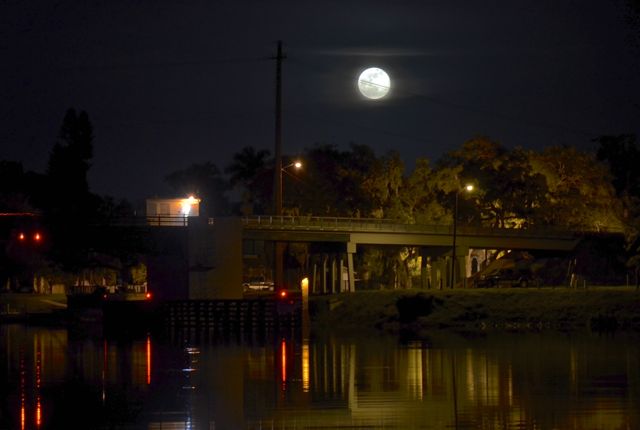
x=279 y=248
x=297 y=165
x=467 y=188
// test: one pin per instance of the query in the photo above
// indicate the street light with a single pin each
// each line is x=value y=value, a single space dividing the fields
x=279 y=248
x=468 y=188
x=297 y=165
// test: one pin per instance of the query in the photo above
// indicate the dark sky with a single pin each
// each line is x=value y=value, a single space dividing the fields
x=171 y=83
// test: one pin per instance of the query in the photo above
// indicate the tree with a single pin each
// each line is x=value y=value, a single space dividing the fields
x=507 y=191
x=252 y=172
x=382 y=185
x=206 y=182
x=69 y=206
x=420 y=195
x=580 y=194
x=623 y=157
x=70 y=159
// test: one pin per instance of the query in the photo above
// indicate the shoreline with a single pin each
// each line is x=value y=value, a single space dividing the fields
x=420 y=311
x=474 y=310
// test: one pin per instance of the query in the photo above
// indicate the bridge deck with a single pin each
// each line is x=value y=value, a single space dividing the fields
x=390 y=232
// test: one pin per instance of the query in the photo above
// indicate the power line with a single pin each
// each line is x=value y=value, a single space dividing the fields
x=164 y=64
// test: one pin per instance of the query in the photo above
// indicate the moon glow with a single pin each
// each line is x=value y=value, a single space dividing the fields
x=374 y=83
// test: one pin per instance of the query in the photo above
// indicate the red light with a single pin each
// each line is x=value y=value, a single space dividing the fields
x=148 y=296
x=37 y=237
x=283 y=294
x=21 y=236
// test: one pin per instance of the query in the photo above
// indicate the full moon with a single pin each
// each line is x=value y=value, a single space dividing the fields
x=374 y=83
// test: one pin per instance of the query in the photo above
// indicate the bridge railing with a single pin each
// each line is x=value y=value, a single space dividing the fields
x=274 y=222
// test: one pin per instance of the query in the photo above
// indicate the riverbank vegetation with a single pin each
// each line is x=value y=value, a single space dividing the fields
x=532 y=309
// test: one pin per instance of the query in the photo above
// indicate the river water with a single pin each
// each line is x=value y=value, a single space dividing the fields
x=58 y=378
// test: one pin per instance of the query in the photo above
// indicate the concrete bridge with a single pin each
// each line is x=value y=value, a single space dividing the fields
x=215 y=246
x=434 y=240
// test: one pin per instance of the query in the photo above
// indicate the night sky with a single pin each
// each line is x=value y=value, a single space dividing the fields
x=171 y=83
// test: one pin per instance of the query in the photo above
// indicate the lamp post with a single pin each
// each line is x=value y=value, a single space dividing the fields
x=467 y=188
x=298 y=165
x=279 y=246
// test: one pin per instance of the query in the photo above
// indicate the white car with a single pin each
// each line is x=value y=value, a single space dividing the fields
x=258 y=284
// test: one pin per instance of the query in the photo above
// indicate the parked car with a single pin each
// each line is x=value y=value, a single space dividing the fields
x=258 y=284
x=505 y=278
x=506 y=272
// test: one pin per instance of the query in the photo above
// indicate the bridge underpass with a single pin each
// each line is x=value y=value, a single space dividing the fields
x=435 y=242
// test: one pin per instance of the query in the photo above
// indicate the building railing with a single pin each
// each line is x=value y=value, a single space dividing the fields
x=167 y=221
x=150 y=220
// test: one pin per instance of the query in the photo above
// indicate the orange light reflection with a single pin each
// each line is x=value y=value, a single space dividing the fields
x=283 y=354
x=148 y=360
x=23 y=413
x=305 y=366
x=38 y=413
x=38 y=383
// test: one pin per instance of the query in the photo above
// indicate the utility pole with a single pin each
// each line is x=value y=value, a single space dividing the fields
x=277 y=171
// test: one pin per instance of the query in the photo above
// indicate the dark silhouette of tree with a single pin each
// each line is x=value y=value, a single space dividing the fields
x=251 y=171
x=622 y=155
x=205 y=182
x=69 y=206
x=70 y=158
x=332 y=181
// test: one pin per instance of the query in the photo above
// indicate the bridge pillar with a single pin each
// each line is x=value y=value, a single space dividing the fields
x=438 y=272
x=351 y=249
x=325 y=259
x=462 y=254
x=334 y=271
x=340 y=270
x=424 y=274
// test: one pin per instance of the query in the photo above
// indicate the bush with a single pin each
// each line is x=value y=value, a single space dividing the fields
x=412 y=307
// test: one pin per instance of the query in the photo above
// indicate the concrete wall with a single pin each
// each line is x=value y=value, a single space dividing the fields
x=215 y=259
x=167 y=263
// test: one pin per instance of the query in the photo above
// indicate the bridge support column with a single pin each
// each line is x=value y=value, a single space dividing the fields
x=324 y=274
x=351 y=249
x=333 y=274
x=438 y=272
x=460 y=265
x=339 y=274
x=424 y=275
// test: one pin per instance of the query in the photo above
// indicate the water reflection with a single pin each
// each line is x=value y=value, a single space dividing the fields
x=205 y=380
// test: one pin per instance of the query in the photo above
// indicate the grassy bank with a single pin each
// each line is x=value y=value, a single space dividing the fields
x=31 y=303
x=602 y=308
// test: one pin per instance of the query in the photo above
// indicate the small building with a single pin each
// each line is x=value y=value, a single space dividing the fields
x=175 y=211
